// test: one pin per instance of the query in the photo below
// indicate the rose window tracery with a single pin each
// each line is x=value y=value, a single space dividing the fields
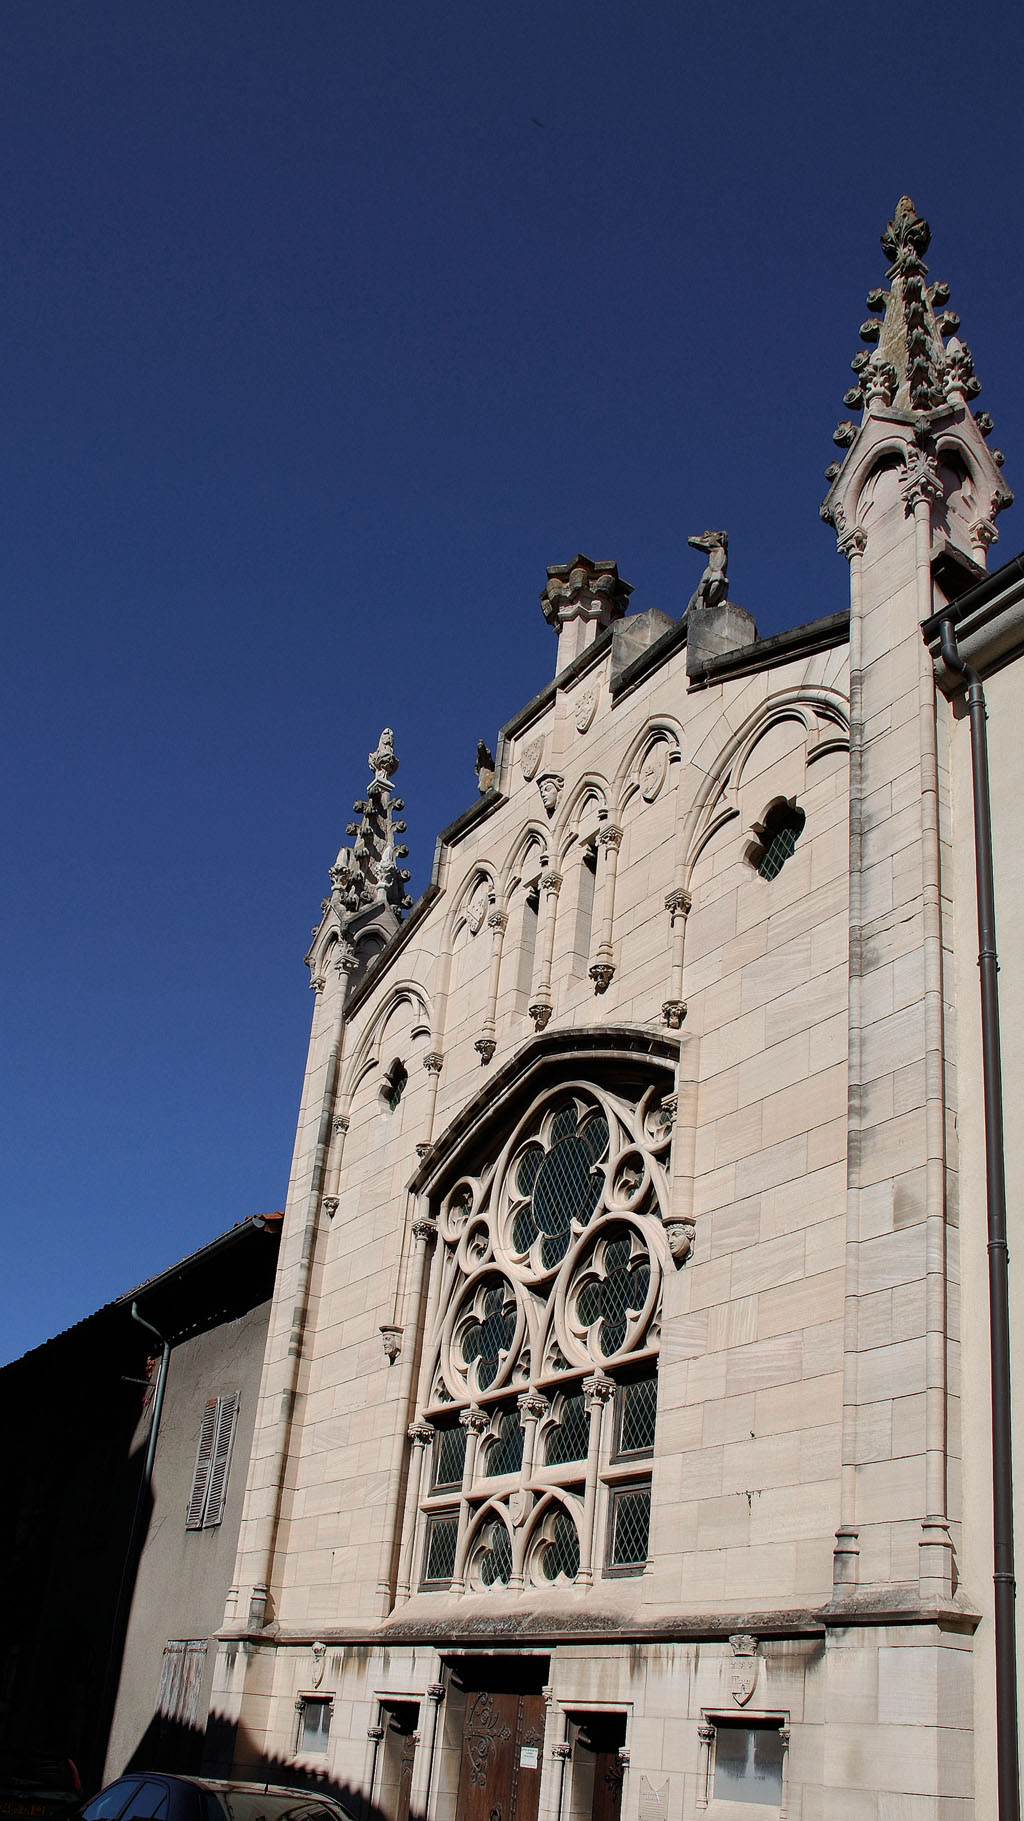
x=616 y=1292
x=558 y=1184
x=543 y=1345
x=487 y=1339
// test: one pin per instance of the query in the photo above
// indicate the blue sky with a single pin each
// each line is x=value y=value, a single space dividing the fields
x=327 y=328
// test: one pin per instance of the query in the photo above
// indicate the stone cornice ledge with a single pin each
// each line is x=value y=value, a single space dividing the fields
x=895 y=1607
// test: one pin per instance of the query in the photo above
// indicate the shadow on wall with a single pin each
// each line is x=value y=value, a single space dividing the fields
x=226 y=1749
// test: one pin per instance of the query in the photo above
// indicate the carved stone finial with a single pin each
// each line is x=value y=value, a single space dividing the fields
x=713 y=586
x=920 y=480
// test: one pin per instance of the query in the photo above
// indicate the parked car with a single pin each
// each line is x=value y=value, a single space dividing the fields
x=37 y=1784
x=155 y=1797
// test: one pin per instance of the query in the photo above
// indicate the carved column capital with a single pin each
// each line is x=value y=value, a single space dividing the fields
x=610 y=836
x=376 y=1733
x=678 y=901
x=420 y=1434
x=706 y=1734
x=435 y=1691
x=340 y=1123
x=531 y=1407
x=551 y=881
x=474 y=1419
x=433 y=1062
x=497 y=920
x=598 y=1390
x=852 y=543
x=424 y=1229
x=984 y=533
x=561 y=1749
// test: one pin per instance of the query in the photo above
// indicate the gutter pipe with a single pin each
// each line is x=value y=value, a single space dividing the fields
x=1007 y=1761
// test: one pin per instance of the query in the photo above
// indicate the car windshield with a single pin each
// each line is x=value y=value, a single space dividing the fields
x=277 y=1805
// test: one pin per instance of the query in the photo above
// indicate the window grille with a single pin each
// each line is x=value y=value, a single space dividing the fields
x=505 y=1453
x=569 y=1439
x=638 y=1408
x=562 y=1554
x=495 y=1557
x=449 y=1457
x=213 y=1458
x=777 y=837
x=442 y=1536
x=630 y=1527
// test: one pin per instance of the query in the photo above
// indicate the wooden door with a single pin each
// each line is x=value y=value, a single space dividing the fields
x=607 y=1800
x=502 y=1743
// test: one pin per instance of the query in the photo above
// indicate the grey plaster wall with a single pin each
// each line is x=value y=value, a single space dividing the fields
x=184 y=1575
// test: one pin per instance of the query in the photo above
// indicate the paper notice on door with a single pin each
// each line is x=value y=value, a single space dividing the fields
x=529 y=1757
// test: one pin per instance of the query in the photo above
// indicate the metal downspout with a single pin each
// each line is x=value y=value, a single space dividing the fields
x=1007 y=1765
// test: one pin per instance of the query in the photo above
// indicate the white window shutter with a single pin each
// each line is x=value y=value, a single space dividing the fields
x=201 y=1471
x=227 y=1412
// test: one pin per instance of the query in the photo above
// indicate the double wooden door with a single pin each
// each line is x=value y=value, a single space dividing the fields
x=502 y=1752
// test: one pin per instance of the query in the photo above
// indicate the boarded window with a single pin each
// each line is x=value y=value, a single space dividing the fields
x=213 y=1458
x=181 y=1678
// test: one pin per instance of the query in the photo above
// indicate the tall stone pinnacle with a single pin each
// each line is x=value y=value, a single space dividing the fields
x=368 y=872
x=914 y=360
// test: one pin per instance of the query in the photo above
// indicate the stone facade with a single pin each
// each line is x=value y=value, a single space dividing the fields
x=614 y=1369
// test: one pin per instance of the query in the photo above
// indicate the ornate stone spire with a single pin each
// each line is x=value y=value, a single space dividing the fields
x=582 y=598
x=914 y=360
x=368 y=892
x=368 y=872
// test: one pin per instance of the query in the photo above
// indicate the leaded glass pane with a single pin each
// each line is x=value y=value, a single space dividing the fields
x=589 y=1304
x=564 y=1123
x=569 y=1440
x=562 y=1554
x=496 y=1555
x=566 y=1187
x=554 y=1248
x=529 y=1164
x=594 y=1135
x=639 y=1408
x=442 y=1536
x=505 y=1453
x=449 y=1456
x=524 y=1230
x=485 y=1340
x=781 y=848
x=631 y=1520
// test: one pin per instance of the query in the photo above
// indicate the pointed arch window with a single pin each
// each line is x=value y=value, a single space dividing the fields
x=544 y=1345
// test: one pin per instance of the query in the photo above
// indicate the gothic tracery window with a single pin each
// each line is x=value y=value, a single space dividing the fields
x=541 y=1358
